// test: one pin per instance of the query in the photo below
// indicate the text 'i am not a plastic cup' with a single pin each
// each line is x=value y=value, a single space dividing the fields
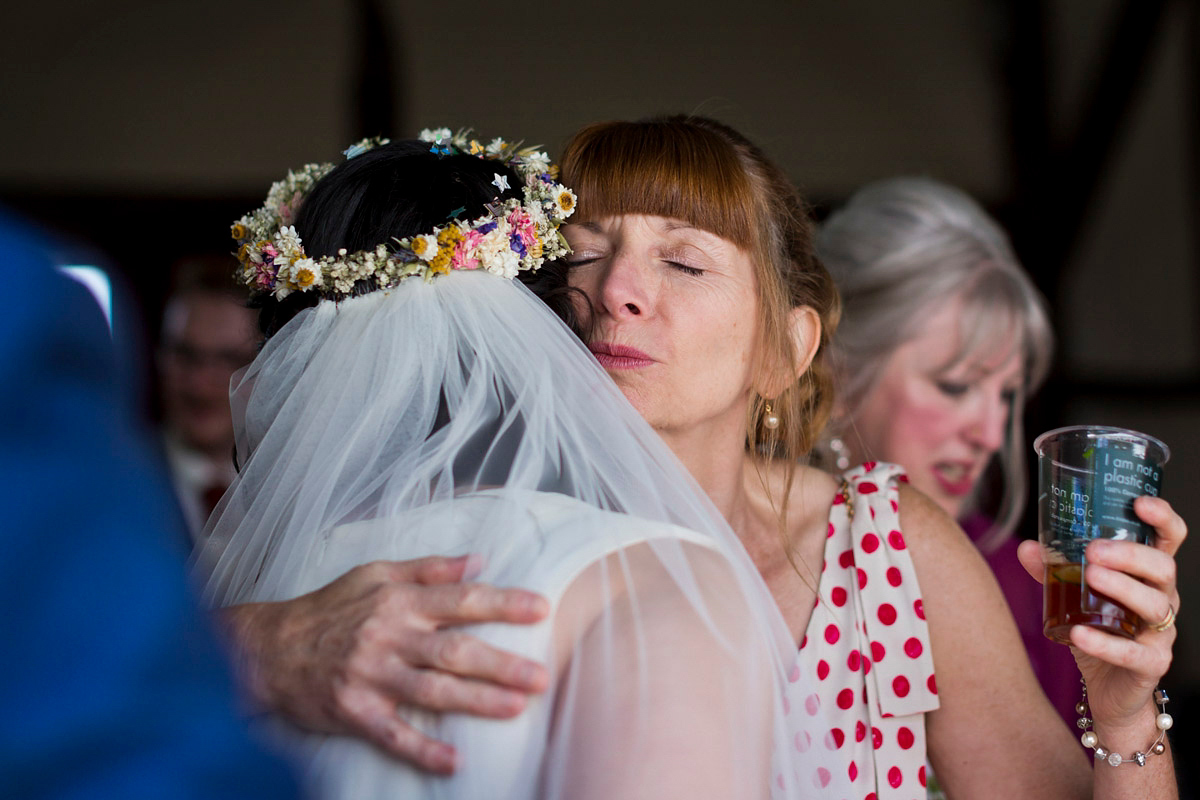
x=1088 y=478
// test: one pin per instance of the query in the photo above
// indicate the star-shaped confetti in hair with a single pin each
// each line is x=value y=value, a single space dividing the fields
x=454 y=214
x=439 y=151
x=501 y=182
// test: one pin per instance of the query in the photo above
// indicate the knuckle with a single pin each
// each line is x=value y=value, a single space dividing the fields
x=430 y=690
x=472 y=595
x=450 y=649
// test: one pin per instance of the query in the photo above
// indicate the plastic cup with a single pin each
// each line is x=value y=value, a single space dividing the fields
x=1088 y=478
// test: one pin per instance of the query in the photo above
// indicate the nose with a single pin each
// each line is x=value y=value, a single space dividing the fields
x=990 y=418
x=625 y=288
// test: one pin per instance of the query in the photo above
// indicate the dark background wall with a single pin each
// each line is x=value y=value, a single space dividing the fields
x=141 y=129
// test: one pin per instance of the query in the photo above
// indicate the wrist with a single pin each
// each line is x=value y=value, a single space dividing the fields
x=1131 y=741
x=248 y=626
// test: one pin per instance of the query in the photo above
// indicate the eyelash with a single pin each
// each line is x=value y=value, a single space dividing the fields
x=685 y=269
x=959 y=389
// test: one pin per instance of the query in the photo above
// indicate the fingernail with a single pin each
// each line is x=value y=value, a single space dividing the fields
x=526 y=673
x=473 y=567
x=536 y=604
x=443 y=758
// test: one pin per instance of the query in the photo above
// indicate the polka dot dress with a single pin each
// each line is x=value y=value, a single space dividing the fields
x=868 y=644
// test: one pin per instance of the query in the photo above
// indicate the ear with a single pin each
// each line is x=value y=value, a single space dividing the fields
x=804 y=326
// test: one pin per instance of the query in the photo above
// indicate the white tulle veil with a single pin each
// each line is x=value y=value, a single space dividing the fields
x=461 y=416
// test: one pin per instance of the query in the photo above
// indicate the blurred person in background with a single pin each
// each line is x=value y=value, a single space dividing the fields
x=942 y=338
x=113 y=685
x=207 y=334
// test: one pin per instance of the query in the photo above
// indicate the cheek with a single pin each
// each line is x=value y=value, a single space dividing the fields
x=924 y=424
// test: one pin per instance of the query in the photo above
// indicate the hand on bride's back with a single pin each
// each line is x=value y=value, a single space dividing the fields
x=343 y=658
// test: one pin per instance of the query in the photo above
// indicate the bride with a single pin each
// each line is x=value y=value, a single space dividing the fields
x=412 y=398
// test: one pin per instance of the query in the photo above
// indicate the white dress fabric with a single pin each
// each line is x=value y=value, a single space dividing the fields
x=461 y=416
x=867 y=643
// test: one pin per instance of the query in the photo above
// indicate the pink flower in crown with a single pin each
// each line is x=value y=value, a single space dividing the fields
x=465 y=251
x=264 y=277
x=269 y=253
x=522 y=223
x=287 y=211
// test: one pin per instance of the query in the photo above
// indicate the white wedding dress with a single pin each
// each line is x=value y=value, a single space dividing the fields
x=460 y=417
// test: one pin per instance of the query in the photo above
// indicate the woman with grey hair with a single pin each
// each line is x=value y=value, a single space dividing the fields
x=942 y=338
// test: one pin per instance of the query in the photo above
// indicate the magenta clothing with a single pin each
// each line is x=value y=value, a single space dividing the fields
x=1052 y=663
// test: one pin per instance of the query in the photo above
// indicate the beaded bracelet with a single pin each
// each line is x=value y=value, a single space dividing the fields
x=1163 y=722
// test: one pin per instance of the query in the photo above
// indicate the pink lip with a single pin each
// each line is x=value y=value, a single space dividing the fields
x=619 y=356
x=959 y=487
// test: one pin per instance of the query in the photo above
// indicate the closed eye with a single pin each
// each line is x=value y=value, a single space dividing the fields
x=580 y=262
x=951 y=389
x=685 y=269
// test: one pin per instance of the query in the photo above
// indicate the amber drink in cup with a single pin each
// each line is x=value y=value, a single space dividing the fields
x=1088 y=478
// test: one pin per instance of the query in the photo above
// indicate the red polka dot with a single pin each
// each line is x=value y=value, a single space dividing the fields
x=876 y=738
x=895 y=505
x=803 y=742
x=866 y=666
x=864 y=694
x=838 y=596
x=846 y=559
x=872 y=512
x=860 y=731
x=822 y=778
x=866 y=487
x=839 y=498
x=862 y=578
x=887 y=614
x=932 y=684
x=845 y=698
x=871 y=796
x=794 y=673
x=804 y=641
x=895 y=778
x=812 y=704
x=832 y=634
x=869 y=465
x=877 y=652
x=921 y=775
x=832 y=530
x=905 y=738
x=912 y=647
x=902 y=478
x=870 y=543
x=853 y=661
x=900 y=686
x=822 y=669
x=835 y=739
x=919 y=608
x=853 y=771
x=896 y=540
x=893 y=576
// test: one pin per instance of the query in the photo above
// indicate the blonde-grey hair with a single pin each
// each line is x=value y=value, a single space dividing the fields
x=901 y=249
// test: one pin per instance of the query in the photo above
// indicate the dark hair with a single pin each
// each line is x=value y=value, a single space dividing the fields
x=390 y=192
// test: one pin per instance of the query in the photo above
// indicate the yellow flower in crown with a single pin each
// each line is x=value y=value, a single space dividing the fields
x=306 y=274
x=240 y=231
x=424 y=246
x=447 y=239
x=565 y=201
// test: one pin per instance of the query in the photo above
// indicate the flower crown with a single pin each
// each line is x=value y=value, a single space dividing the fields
x=514 y=235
